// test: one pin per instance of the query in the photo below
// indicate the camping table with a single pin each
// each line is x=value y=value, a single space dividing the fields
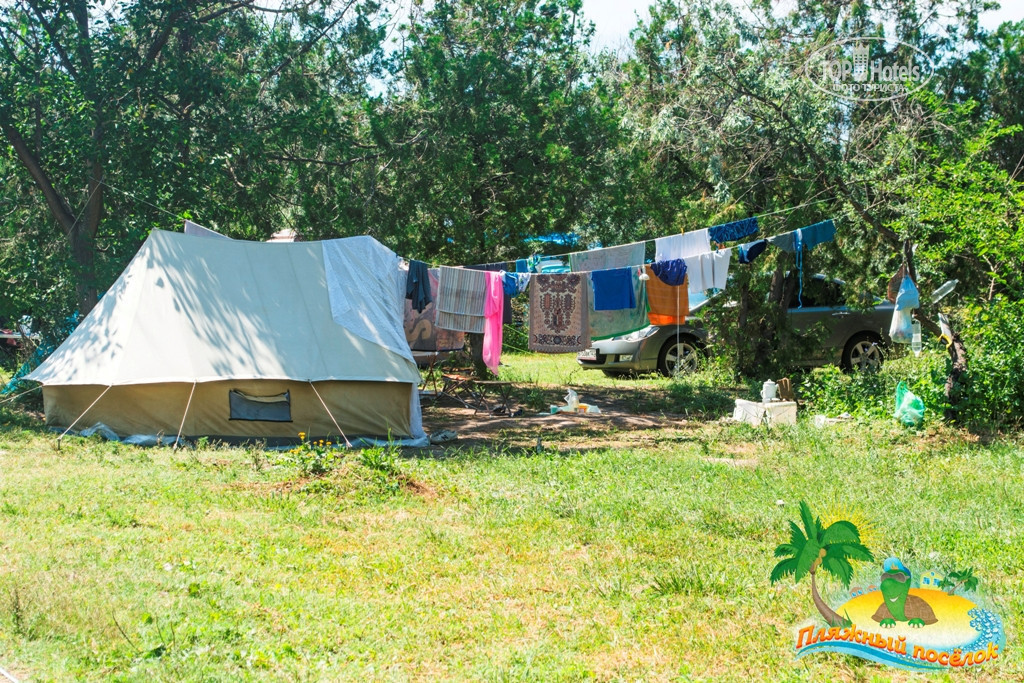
x=459 y=388
x=490 y=396
x=500 y=396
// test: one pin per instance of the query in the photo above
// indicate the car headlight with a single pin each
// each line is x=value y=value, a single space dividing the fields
x=640 y=334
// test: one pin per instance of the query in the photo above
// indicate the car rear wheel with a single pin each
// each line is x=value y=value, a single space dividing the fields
x=863 y=353
x=679 y=356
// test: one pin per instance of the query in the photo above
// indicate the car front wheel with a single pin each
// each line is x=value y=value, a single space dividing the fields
x=863 y=352
x=679 y=356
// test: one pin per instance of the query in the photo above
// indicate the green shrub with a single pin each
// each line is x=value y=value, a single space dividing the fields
x=830 y=391
x=994 y=336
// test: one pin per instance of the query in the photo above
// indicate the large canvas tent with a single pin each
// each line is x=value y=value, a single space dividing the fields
x=234 y=339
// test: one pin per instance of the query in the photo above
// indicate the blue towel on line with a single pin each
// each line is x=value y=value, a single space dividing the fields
x=613 y=289
x=672 y=273
x=737 y=230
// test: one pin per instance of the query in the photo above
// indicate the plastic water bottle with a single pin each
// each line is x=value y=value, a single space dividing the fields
x=942 y=291
x=915 y=342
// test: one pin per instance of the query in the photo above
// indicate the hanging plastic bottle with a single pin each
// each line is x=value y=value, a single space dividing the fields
x=915 y=341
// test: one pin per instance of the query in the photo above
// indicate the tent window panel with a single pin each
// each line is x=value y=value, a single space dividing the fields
x=276 y=408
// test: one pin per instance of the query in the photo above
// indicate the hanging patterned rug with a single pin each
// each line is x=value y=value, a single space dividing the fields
x=558 y=313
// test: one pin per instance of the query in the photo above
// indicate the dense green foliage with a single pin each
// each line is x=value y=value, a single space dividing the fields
x=455 y=130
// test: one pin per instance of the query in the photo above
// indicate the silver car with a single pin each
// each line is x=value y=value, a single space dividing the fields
x=855 y=339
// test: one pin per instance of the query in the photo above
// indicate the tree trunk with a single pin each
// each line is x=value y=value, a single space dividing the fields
x=476 y=351
x=832 y=617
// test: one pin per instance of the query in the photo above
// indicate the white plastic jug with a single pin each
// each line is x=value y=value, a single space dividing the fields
x=768 y=391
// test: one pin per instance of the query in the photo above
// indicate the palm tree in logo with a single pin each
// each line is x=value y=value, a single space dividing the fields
x=964 y=578
x=816 y=547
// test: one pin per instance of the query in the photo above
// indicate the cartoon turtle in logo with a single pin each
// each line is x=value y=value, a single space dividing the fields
x=899 y=605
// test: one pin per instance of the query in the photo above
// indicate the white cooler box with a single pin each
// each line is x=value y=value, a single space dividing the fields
x=771 y=413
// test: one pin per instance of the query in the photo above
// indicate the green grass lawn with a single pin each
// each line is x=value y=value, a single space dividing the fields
x=583 y=561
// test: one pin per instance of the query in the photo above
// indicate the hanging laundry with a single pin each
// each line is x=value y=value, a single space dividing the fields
x=667 y=293
x=417 y=285
x=422 y=333
x=708 y=271
x=790 y=242
x=613 y=289
x=498 y=266
x=682 y=246
x=747 y=253
x=672 y=273
x=493 y=306
x=816 y=234
x=514 y=284
x=460 y=299
x=720 y=268
x=552 y=264
x=509 y=283
x=805 y=238
x=522 y=282
x=901 y=329
x=607 y=258
x=352 y=265
x=522 y=266
x=605 y=324
x=559 y=308
x=737 y=230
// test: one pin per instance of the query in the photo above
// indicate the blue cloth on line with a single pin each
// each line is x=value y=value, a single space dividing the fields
x=788 y=242
x=813 y=235
x=737 y=230
x=522 y=266
x=672 y=273
x=509 y=283
x=613 y=289
x=751 y=250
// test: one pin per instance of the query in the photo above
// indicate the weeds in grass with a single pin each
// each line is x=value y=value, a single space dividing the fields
x=312 y=458
x=379 y=459
x=17 y=611
x=686 y=582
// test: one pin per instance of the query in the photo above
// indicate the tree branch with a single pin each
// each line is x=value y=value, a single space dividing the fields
x=65 y=60
x=323 y=162
x=59 y=206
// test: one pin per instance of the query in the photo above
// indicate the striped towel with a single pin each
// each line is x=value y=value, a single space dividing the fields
x=608 y=258
x=461 y=294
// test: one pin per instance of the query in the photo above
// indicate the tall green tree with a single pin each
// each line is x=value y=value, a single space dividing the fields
x=121 y=115
x=502 y=126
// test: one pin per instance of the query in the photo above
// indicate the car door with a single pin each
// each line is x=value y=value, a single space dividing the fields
x=821 y=305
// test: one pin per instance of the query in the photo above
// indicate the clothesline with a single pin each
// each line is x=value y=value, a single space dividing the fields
x=720 y=250
x=762 y=215
x=644 y=242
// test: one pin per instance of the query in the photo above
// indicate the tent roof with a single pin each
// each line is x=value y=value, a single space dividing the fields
x=196 y=310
